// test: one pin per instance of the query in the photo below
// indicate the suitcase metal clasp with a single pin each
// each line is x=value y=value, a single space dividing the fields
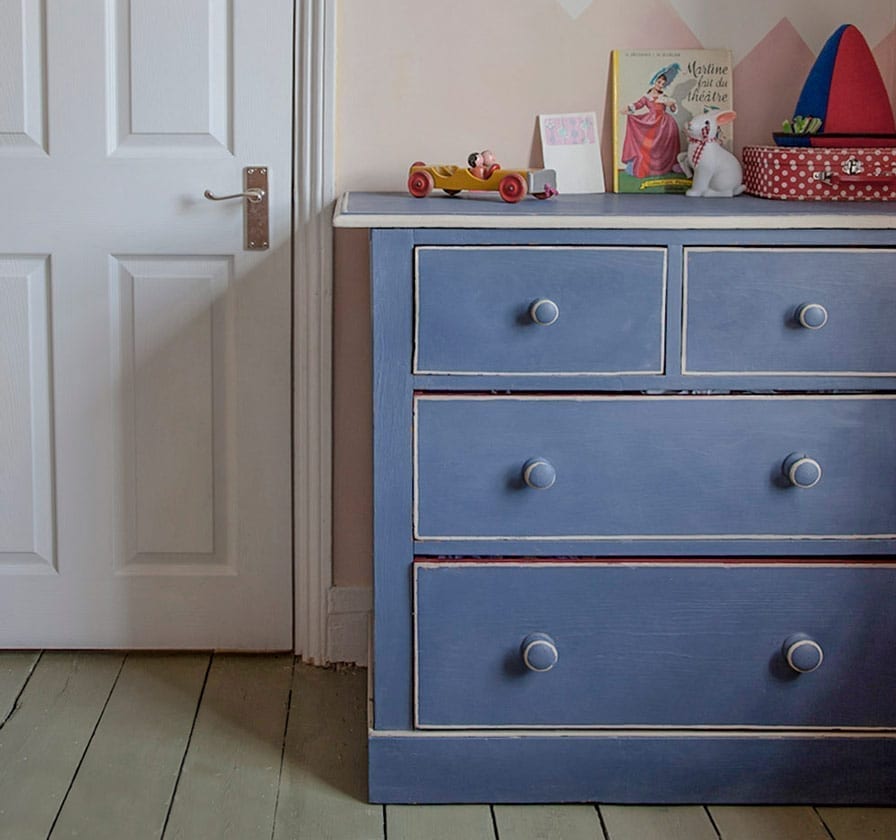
x=853 y=166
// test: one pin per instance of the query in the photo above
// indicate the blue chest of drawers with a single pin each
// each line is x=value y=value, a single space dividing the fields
x=634 y=500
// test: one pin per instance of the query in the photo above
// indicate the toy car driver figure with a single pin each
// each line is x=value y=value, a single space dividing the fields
x=483 y=164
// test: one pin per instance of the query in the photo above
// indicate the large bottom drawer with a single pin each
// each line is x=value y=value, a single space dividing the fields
x=609 y=645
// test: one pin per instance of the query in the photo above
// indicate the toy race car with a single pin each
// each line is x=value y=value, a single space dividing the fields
x=511 y=184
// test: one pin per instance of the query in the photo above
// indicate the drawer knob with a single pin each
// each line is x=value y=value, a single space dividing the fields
x=803 y=654
x=812 y=316
x=544 y=312
x=539 y=652
x=539 y=473
x=801 y=470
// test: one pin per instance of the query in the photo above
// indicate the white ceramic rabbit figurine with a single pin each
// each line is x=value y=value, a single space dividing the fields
x=716 y=172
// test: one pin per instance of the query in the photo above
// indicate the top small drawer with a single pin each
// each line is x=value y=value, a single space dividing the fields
x=789 y=311
x=536 y=310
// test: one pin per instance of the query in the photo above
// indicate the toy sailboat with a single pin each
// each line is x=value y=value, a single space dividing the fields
x=844 y=99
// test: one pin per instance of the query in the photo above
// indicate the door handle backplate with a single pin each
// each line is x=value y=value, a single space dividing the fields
x=255 y=197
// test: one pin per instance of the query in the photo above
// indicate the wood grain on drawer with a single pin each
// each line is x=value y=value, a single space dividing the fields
x=644 y=646
x=655 y=467
x=789 y=311
x=529 y=310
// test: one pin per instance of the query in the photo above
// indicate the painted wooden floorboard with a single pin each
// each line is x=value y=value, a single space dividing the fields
x=439 y=822
x=105 y=744
x=860 y=823
x=44 y=740
x=323 y=785
x=127 y=779
x=548 y=822
x=749 y=822
x=228 y=785
x=15 y=668
x=657 y=822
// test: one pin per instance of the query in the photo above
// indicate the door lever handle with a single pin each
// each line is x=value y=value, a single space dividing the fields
x=255 y=191
x=254 y=195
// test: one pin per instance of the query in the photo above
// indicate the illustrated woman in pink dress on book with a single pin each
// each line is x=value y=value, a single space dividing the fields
x=652 y=143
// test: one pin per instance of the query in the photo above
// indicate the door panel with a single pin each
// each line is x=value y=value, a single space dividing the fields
x=145 y=403
x=179 y=106
x=26 y=488
x=174 y=336
x=22 y=68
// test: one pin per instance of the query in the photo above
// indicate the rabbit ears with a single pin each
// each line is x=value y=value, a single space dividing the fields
x=723 y=117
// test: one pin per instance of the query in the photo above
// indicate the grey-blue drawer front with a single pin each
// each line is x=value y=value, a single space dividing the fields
x=649 y=646
x=689 y=467
x=474 y=310
x=743 y=305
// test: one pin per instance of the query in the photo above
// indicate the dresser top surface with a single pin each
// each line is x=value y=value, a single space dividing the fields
x=605 y=211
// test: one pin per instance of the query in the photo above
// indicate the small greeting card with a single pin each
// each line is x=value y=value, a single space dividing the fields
x=571 y=147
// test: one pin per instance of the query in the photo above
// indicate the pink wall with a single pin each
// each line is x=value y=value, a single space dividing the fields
x=423 y=79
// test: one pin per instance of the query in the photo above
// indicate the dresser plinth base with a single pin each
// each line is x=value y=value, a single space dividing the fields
x=767 y=768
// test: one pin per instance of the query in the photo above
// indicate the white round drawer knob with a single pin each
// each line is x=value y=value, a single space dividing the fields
x=801 y=470
x=812 y=316
x=544 y=312
x=539 y=473
x=539 y=652
x=803 y=654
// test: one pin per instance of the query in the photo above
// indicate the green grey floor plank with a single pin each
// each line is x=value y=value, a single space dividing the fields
x=42 y=744
x=860 y=823
x=125 y=783
x=228 y=785
x=323 y=786
x=657 y=822
x=757 y=822
x=15 y=668
x=439 y=822
x=548 y=822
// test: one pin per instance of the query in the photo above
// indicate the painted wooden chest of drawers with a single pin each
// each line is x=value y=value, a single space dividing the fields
x=634 y=500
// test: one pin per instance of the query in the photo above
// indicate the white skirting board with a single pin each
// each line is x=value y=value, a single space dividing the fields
x=348 y=614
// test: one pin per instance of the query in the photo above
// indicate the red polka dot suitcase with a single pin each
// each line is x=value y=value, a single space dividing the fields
x=820 y=174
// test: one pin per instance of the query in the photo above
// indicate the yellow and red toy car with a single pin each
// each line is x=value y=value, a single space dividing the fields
x=511 y=184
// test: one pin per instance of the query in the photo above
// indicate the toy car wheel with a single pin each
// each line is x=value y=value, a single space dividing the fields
x=452 y=192
x=417 y=163
x=420 y=184
x=512 y=188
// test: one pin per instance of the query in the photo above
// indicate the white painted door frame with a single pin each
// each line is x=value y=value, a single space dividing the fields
x=314 y=196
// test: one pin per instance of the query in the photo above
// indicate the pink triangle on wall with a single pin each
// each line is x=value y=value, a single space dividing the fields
x=767 y=83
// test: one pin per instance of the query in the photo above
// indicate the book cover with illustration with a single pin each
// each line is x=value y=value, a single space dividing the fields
x=655 y=93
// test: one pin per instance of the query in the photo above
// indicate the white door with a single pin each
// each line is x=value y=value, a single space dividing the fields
x=145 y=493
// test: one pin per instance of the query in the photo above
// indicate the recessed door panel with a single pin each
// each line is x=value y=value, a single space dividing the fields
x=26 y=457
x=182 y=104
x=22 y=77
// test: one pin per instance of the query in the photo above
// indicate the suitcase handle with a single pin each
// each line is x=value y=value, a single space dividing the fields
x=835 y=178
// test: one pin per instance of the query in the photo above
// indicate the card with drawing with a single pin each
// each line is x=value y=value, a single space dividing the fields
x=571 y=147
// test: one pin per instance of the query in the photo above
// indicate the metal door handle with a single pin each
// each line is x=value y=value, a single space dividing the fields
x=256 y=208
x=254 y=195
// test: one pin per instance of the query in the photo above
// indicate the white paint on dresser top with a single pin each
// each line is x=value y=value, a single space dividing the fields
x=607 y=212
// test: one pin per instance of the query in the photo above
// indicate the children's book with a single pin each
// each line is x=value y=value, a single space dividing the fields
x=655 y=93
